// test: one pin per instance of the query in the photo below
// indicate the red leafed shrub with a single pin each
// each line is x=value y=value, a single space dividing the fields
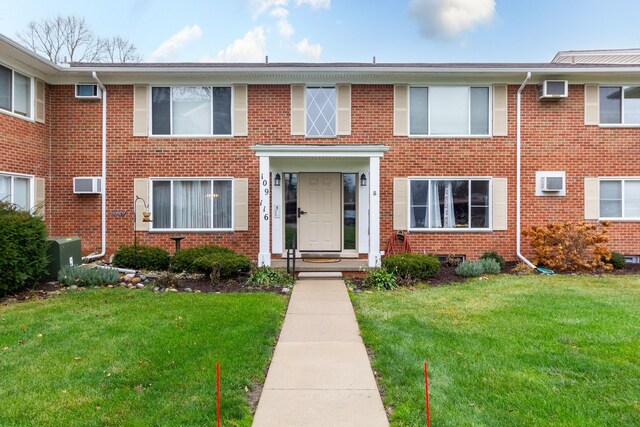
x=568 y=246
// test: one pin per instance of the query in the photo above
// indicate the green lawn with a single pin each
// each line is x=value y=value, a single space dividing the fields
x=130 y=357
x=561 y=350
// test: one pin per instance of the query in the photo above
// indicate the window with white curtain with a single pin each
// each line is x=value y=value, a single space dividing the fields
x=191 y=110
x=620 y=198
x=15 y=92
x=16 y=190
x=191 y=204
x=620 y=105
x=450 y=204
x=449 y=111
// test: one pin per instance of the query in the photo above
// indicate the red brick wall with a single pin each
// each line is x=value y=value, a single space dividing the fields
x=24 y=146
x=554 y=138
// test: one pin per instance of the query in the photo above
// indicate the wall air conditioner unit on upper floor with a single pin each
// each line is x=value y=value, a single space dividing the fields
x=87 y=185
x=553 y=89
x=88 y=91
x=552 y=184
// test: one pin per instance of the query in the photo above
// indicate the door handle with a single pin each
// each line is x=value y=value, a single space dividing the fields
x=301 y=212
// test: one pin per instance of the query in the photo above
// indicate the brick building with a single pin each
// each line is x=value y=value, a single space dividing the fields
x=331 y=158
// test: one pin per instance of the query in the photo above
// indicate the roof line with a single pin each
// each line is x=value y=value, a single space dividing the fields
x=25 y=51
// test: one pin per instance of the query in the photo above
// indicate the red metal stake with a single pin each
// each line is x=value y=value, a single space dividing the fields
x=218 y=392
x=426 y=394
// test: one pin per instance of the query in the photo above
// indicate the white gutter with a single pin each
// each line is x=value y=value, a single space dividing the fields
x=518 y=161
x=104 y=171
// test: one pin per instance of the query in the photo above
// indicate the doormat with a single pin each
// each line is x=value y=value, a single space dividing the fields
x=321 y=260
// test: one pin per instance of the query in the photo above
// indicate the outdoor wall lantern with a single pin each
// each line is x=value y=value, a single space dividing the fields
x=363 y=180
x=276 y=180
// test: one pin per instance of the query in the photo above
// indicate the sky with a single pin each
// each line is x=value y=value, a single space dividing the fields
x=346 y=30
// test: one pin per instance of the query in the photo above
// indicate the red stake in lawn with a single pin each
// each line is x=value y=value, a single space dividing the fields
x=218 y=392
x=426 y=394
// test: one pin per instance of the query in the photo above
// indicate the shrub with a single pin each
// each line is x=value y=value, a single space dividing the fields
x=83 y=276
x=222 y=265
x=494 y=256
x=269 y=276
x=23 y=239
x=183 y=259
x=478 y=268
x=617 y=261
x=411 y=266
x=381 y=279
x=141 y=258
x=568 y=246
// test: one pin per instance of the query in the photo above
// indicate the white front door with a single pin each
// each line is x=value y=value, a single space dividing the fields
x=319 y=212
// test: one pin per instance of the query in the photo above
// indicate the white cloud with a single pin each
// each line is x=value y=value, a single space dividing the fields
x=175 y=43
x=311 y=50
x=280 y=12
x=285 y=29
x=249 y=48
x=316 y=4
x=446 y=19
x=258 y=7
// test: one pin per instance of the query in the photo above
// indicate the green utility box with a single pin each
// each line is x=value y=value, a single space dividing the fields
x=63 y=251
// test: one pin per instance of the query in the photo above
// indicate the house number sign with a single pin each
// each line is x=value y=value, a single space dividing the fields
x=264 y=199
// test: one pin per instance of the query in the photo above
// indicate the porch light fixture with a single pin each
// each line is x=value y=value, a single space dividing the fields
x=276 y=180
x=363 y=180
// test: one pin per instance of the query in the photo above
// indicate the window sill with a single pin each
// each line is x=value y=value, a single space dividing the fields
x=620 y=219
x=17 y=116
x=450 y=230
x=613 y=125
x=450 y=136
x=321 y=136
x=189 y=136
x=192 y=231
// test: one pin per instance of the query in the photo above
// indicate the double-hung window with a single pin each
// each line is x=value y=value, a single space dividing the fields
x=15 y=92
x=191 y=204
x=449 y=111
x=16 y=189
x=620 y=198
x=620 y=105
x=449 y=204
x=321 y=111
x=191 y=110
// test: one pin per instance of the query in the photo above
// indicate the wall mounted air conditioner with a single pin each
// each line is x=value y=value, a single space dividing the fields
x=87 y=185
x=88 y=91
x=552 y=184
x=553 y=89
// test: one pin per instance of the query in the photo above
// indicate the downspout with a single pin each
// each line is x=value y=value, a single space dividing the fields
x=104 y=171
x=518 y=167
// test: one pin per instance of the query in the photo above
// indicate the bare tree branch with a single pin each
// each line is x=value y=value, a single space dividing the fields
x=71 y=39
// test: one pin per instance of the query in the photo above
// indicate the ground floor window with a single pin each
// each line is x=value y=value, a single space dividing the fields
x=620 y=198
x=290 y=210
x=449 y=203
x=188 y=204
x=16 y=190
x=349 y=210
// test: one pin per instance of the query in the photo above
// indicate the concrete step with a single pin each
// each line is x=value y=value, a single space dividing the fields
x=319 y=275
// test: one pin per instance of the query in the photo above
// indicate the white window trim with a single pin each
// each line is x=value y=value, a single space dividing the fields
x=191 y=230
x=32 y=187
x=622 y=218
x=451 y=178
x=32 y=100
x=429 y=135
x=306 y=128
x=622 y=124
x=171 y=135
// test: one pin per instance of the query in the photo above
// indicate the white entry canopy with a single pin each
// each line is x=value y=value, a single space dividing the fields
x=319 y=150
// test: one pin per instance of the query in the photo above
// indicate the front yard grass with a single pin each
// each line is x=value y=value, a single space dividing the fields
x=534 y=350
x=129 y=357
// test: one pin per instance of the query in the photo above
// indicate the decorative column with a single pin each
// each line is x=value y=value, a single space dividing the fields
x=264 y=256
x=374 y=212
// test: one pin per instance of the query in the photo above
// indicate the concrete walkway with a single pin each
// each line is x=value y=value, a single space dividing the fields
x=320 y=374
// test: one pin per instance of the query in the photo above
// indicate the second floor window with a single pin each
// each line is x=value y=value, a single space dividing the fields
x=191 y=110
x=620 y=105
x=449 y=111
x=15 y=92
x=321 y=111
